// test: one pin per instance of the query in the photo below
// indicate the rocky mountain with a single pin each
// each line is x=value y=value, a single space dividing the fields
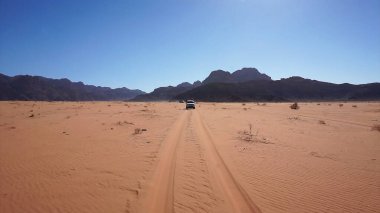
x=25 y=87
x=290 y=89
x=243 y=75
x=166 y=93
x=248 y=74
x=217 y=76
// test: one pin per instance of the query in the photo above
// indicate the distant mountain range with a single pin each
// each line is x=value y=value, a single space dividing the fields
x=246 y=84
x=25 y=87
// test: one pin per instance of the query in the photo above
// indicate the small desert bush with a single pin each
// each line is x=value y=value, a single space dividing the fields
x=139 y=131
x=121 y=123
x=247 y=135
x=322 y=122
x=376 y=127
x=340 y=105
x=251 y=137
x=354 y=106
x=294 y=106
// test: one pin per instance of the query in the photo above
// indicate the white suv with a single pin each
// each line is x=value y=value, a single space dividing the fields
x=190 y=104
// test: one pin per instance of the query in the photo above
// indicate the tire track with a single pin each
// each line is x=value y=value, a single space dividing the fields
x=235 y=195
x=193 y=189
x=198 y=190
x=159 y=198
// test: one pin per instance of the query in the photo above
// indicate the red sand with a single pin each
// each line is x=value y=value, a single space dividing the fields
x=90 y=157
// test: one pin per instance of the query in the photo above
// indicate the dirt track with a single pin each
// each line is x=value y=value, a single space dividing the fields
x=90 y=157
x=217 y=187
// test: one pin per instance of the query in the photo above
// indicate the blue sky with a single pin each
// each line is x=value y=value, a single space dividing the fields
x=146 y=44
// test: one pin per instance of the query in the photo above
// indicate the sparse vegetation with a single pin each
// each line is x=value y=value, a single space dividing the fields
x=355 y=106
x=340 y=105
x=294 y=106
x=122 y=123
x=139 y=131
x=250 y=136
x=376 y=127
x=294 y=118
x=322 y=122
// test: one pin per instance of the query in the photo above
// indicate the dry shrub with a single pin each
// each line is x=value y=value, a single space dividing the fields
x=354 y=106
x=322 y=122
x=122 y=123
x=294 y=118
x=243 y=104
x=294 y=106
x=137 y=131
x=340 y=105
x=251 y=137
x=376 y=127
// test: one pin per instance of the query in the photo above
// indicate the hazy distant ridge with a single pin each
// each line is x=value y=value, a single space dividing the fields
x=25 y=87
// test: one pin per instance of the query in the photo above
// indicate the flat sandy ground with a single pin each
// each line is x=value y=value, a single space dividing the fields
x=158 y=157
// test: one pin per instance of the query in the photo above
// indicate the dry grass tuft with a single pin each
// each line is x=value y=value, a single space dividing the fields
x=322 y=122
x=376 y=127
x=122 y=123
x=294 y=106
x=294 y=118
x=139 y=131
x=354 y=106
x=251 y=137
x=340 y=105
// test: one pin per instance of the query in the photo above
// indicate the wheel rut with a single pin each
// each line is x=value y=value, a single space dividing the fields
x=191 y=176
x=159 y=197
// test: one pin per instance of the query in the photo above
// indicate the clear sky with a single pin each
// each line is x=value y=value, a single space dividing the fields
x=146 y=44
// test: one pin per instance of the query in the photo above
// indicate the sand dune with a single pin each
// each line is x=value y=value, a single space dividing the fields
x=158 y=157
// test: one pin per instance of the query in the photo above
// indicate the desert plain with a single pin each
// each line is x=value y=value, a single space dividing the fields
x=159 y=157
